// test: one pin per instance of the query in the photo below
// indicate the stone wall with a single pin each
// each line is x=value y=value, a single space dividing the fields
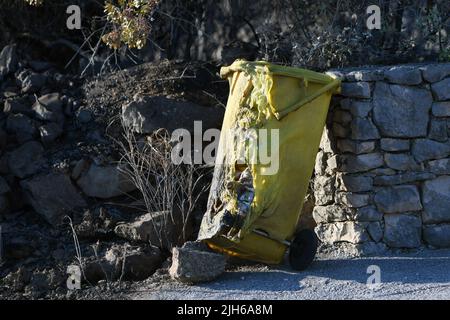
x=382 y=174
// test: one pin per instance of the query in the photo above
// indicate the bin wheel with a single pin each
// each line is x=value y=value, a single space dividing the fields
x=303 y=249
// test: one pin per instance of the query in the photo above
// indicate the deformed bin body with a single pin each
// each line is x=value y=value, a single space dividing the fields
x=254 y=206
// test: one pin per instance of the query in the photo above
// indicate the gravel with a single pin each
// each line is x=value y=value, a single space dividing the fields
x=423 y=274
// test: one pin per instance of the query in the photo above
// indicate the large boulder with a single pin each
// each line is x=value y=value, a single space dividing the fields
x=145 y=115
x=436 y=200
x=398 y=199
x=193 y=263
x=53 y=196
x=401 y=111
x=402 y=230
x=104 y=182
x=26 y=160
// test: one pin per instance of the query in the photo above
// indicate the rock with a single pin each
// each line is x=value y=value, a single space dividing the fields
x=375 y=230
x=354 y=183
x=368 y=213
x=361 y=163
x=191 y=265
x=426 y=149
x=404 y=75
x=321 y=163
x=356 y=147
x=40 y=66
x=331 y=213
x=406 y=177
x=324 y=190
x=365 y=75
x=435 y=72
x=402 y=231
x=441 y=89
x=8 y=60
x=53 y=196
x=438 y=130
x=437 y=235
x=348 y=231
x=30 y=81
x=401 y=111
x=364 y=129
x=353 y=200
x=388 y=144
x=147 y=114
x=4 y=187
x=360 y=108
x=339 y=130
x=398 y=199
x=98 y=223
x=355 y=89
x=342 y=117
x=332 y=165
x=157 y=228
x=16 y=106
x=80 y=166
x=400 y=161
x=105 y=182
x=49 y=107
x=436 y=200
x=21 y=126
x=441 y=166
x=326 y=141
x=133 y=263
x=83 y=115
x=50 y=132
x=441 y=109
x=26 y=160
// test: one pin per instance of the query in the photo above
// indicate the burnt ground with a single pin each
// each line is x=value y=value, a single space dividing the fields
x=36 y=254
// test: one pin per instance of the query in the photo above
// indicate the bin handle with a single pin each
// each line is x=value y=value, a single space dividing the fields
x=281 y=114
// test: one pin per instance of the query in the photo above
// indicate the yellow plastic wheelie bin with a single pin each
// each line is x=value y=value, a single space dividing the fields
x=270 y=136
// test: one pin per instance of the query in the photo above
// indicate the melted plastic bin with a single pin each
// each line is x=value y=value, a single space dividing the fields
x=254 y=205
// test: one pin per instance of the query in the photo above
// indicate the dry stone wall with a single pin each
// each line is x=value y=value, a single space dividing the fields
x=382 y=174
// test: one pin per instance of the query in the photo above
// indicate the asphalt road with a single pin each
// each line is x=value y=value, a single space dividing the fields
x=421 y=275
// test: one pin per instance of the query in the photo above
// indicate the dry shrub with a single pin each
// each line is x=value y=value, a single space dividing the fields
x=169 y=191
